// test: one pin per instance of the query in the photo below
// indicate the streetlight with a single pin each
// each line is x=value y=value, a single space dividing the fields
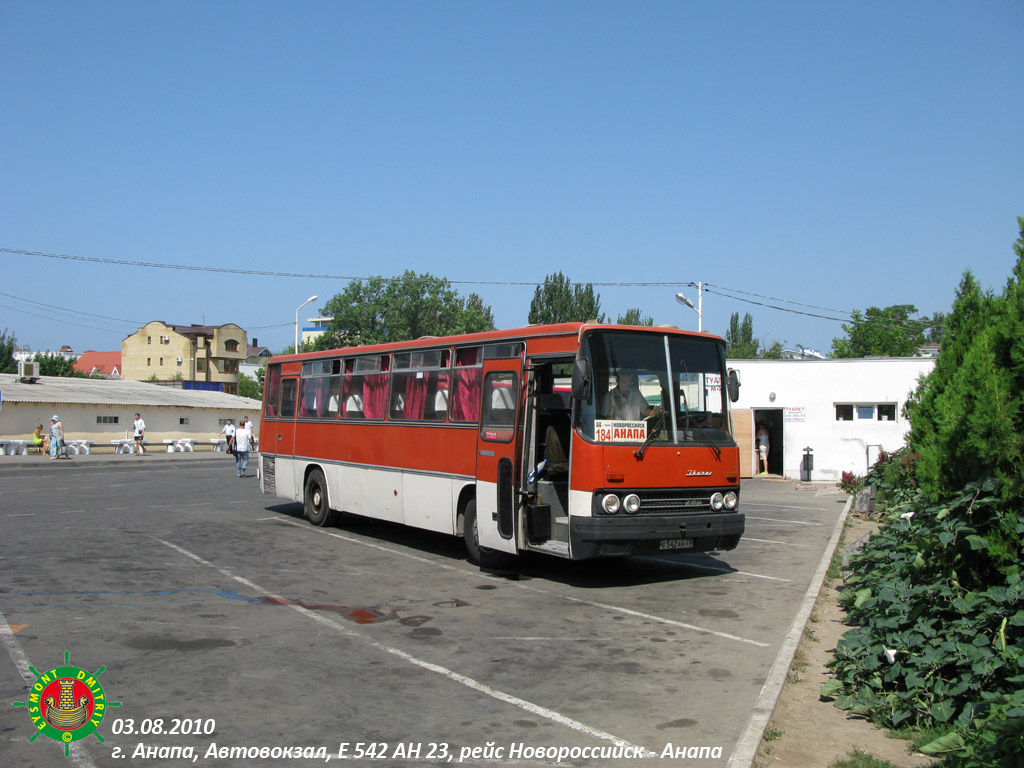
x=699 y=309
x=311 y=298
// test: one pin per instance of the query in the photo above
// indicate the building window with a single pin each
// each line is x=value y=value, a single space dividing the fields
x=165 y=340
x=231 y=345
x=222 y=422
x=229 y=366
x=161 y=361
x=865 y=413
x=200 y=365
x=108 y=419
x=149 y=339
x=183 y=421
x=149 y=361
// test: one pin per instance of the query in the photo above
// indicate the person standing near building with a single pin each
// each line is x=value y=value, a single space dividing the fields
x=139 y=428
x=243 y=444
x=229 y=436
x=762 y=447
x=56 y=436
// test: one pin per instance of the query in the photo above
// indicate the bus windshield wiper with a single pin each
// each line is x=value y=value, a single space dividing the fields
x=639 y=452
x=707 y=440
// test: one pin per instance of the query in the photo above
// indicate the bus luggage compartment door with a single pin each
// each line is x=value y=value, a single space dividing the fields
x=497 y=444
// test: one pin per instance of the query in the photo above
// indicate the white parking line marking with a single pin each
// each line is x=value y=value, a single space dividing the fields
x=772 y=541
x=79 y=757
x=520 y=585
x=789 y=506
x=455 y=677
x=24 y=514
x=779 y=520
x=72 y=511
x=713 y=568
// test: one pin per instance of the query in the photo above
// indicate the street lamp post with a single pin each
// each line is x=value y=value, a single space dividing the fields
x=311 y=298
x=699 y=309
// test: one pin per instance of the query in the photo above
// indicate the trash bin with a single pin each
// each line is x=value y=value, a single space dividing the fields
x=808 y=465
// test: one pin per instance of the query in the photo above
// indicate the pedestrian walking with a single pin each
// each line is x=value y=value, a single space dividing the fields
x=229 y=436
x=140 y=433
x=56 y=436
x=243 y=444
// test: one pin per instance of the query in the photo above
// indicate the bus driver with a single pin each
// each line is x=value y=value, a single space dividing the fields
x=625 y=401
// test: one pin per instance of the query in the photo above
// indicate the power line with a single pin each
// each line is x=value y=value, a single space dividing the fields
x=363 y=278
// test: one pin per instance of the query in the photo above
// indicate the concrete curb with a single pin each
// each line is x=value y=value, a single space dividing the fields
x=107 y=459
x=747 y=746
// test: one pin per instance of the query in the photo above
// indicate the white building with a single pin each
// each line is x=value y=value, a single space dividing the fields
x=102 y=410
x=844 y=410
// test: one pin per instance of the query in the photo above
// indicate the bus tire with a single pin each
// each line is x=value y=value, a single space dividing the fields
x=482 y=556
x=315 y=497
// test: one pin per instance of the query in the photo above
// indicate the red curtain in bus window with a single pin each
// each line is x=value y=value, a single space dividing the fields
x=273 y=389
x=375 y=395
x=415 y=396
x=466 y=395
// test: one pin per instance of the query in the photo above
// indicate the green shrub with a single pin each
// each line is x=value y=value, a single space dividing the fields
x=937 y=593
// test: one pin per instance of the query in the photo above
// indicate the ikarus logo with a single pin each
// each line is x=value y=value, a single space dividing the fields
x=67 y=704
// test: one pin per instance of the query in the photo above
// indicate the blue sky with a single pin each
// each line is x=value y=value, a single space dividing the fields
x=839 y=155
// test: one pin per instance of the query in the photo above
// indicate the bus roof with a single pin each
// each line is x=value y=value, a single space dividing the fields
x=526 y=332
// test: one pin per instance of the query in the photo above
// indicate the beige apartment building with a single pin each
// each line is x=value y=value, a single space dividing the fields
x=165 y=353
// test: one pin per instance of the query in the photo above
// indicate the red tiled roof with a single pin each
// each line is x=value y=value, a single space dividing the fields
x=105 y=363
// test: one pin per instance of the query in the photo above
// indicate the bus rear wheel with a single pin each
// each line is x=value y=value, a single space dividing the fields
x=315 y=497
x=482 y=556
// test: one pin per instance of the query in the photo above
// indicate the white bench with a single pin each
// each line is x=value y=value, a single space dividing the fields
x=219 y=443
x=125 y=445
x=12 y=447
x=79 y=446
x=182 y=444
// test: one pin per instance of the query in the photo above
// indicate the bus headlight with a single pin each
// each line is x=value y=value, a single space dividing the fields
x=717 y=501
x=610 y=503
x=631 y=504
x=730 y=500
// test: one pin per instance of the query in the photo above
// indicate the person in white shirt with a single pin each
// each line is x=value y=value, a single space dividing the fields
x=140 y=432
x=243 y=444
x=229 y=436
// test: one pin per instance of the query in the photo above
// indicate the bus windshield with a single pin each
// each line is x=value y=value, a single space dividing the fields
x=661 y=387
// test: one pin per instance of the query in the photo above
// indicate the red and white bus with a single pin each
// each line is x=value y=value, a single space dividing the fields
x=576 y=440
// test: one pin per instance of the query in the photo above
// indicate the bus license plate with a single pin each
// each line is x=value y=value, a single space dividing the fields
x=676 y=544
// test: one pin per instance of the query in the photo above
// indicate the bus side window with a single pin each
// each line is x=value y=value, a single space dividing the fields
x=465 y=398
x=498 y=420
x=288 y=390
x=273 y=389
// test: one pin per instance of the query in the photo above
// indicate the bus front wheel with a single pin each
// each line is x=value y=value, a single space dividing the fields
x=482 y=556
x=315 y=496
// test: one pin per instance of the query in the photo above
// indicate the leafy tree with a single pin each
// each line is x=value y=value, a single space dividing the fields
x=249 y=387
x=7 y=345
x=559 y=301
x=773 y=351
x=890 y=331
x=397 y=309
x=740 y=343
x=633 y=317
x=55 y=365
x=937 y=593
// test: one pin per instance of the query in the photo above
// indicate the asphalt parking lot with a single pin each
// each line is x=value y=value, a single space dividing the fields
x=223 y=621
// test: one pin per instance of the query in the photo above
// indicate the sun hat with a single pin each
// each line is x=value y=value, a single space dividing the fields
x=55 y=418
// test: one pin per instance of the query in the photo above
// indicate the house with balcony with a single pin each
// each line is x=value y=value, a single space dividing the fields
x=188 y=356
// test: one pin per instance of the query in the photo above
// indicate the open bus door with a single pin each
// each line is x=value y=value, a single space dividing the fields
x=497 y=449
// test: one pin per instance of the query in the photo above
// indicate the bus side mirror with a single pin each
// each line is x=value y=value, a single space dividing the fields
x=734 y=385
x=581 y=379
